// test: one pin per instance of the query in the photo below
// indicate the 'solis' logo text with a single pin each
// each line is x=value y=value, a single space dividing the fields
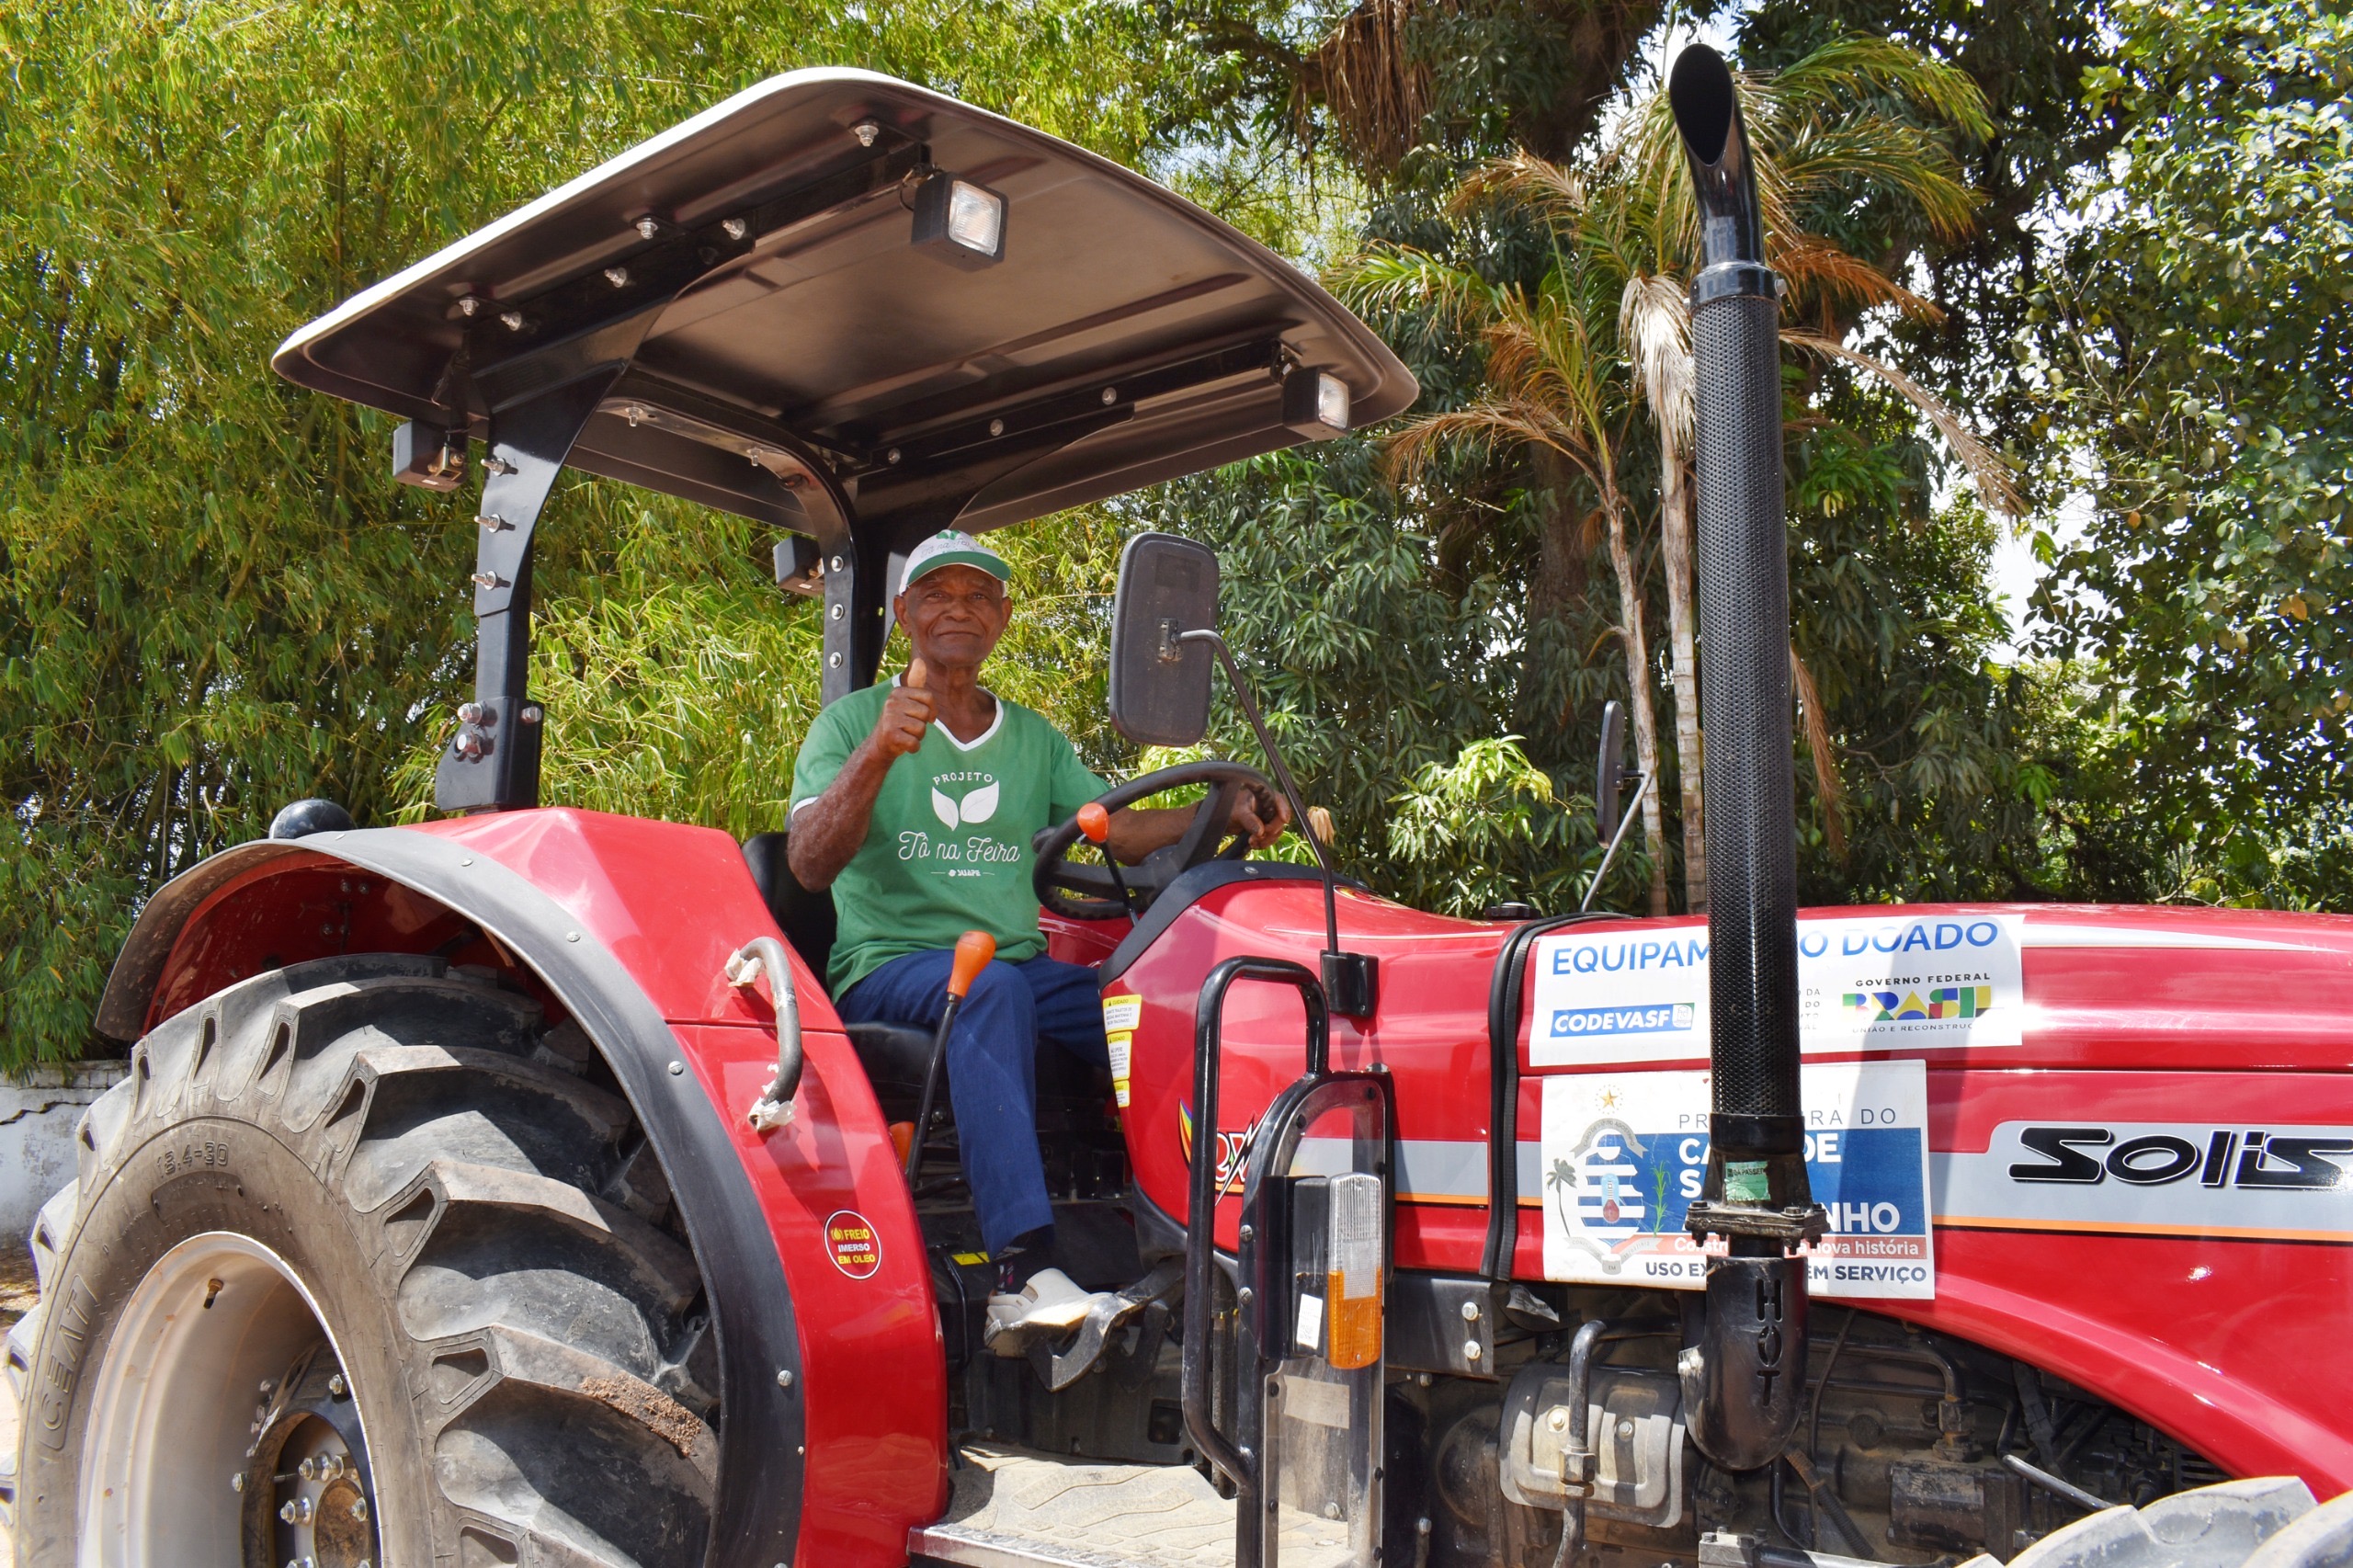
x=2086 y=1156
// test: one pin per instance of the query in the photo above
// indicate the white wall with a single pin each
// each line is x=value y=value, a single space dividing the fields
x=38 y=1115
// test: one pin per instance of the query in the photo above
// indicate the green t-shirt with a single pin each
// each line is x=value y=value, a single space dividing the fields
x=948 y=848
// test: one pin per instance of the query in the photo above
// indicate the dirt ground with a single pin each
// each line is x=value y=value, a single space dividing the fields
x=16 y=1298
x=16 y=1293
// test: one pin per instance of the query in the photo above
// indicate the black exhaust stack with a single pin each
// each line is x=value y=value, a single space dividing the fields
x=1743 y=1379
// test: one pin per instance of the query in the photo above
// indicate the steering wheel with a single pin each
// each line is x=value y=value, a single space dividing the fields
x=1089 y=892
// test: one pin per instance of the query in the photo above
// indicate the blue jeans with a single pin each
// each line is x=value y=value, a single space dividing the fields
x=993 y=1065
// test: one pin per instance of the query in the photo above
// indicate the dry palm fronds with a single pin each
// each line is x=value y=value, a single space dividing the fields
x=1378 y=91
x=1995 y=484
x=1536 y=185
x=1815 y=726
x=1654 y=320
x=1817 y=268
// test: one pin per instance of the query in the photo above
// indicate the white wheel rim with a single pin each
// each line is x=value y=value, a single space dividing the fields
x=173 y=1412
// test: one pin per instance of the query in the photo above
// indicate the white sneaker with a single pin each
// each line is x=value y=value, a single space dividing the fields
x=1050 y=1301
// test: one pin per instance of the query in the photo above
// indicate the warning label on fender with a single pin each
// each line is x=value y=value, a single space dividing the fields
x=1864 y=983
x=1121 y=1012
x=1624 y=1154
x=851 y=1242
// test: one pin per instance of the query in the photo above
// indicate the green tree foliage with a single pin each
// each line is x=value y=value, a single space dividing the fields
x=1490 y=829
x=2195 y=361
x=1928 y=799
x=212 y=598
x=1379 y=674
x=2027 y=60
x=215 y=600
x=1392 y=83
x=1509 y=295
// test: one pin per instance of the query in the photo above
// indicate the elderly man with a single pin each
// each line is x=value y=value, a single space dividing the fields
x=916 y=803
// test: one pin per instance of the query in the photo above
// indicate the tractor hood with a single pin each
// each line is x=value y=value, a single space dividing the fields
x=807 y=339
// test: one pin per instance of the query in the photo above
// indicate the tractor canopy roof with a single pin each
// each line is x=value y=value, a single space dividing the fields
x=845 y=302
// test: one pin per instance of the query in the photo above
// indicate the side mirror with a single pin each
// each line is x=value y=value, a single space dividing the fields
x=1609 y=772
x=1159 y=688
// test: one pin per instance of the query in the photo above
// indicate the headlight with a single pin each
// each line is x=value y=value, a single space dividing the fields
x=960 y=221
x=1315 y=404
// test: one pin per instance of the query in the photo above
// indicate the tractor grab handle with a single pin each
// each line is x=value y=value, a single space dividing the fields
x=773 y=1109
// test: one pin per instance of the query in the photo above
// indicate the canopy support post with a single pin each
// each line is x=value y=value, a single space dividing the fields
x=862 y=569
x=491 y=764
x=857 y=622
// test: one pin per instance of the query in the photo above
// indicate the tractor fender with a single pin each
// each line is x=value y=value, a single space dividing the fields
x=745 y=1201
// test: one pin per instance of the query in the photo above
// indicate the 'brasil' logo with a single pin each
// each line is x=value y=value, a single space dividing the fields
x=1944 y=1002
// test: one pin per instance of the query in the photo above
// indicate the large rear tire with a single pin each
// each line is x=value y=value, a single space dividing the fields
x=362 y=1265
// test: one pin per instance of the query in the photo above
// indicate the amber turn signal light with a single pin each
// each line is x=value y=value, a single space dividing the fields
x=1353 y=1251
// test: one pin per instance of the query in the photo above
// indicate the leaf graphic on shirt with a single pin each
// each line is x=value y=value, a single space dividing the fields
x=946 y=808
x=980 y=805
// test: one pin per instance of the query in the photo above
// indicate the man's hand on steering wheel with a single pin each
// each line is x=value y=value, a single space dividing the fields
x=1260 y=810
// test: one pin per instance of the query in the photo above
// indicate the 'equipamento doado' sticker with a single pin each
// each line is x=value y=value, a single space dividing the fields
x=1121 y=1013
x=1623 y=1155
x=851 y=1242
x=1866 y=983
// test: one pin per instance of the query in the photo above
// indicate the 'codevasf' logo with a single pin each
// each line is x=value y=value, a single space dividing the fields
x=1666 y=1018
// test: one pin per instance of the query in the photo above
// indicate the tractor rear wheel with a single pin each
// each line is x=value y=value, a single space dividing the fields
x=362 y=1265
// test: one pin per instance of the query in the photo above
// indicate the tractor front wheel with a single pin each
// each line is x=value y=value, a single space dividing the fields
x=363 y=1267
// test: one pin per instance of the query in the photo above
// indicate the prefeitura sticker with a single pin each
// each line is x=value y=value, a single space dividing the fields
x=1624 y=1154
x=1865 y=984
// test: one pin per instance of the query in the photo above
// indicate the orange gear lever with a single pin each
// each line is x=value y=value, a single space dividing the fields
x=973 y=951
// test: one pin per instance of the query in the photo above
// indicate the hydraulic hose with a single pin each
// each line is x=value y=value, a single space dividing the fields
x=1744 y=1381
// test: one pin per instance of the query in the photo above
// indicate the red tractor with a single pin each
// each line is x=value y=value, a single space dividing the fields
x=505 y=1191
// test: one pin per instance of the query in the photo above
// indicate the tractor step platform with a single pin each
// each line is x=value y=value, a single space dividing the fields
x=1015 y=1508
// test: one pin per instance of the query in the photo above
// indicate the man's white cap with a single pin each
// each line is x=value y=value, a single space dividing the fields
x=953 y=547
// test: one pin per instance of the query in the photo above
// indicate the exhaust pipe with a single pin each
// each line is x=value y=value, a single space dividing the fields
x=1744 y=1378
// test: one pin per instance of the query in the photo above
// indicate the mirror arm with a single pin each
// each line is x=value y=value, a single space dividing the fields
x=1625 y=820
x=1169 y=646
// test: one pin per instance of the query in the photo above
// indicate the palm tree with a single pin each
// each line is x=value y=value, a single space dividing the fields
x=1564 y=1183
x=1812 y=148
x=1554 y=382
x=1634 y=224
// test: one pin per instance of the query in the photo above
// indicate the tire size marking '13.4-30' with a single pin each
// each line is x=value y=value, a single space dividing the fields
x=208 y=1154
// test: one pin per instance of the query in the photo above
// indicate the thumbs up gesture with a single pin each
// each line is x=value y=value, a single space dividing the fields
x=906 y=715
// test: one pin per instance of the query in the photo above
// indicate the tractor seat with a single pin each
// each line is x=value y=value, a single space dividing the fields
x=894 y=1056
